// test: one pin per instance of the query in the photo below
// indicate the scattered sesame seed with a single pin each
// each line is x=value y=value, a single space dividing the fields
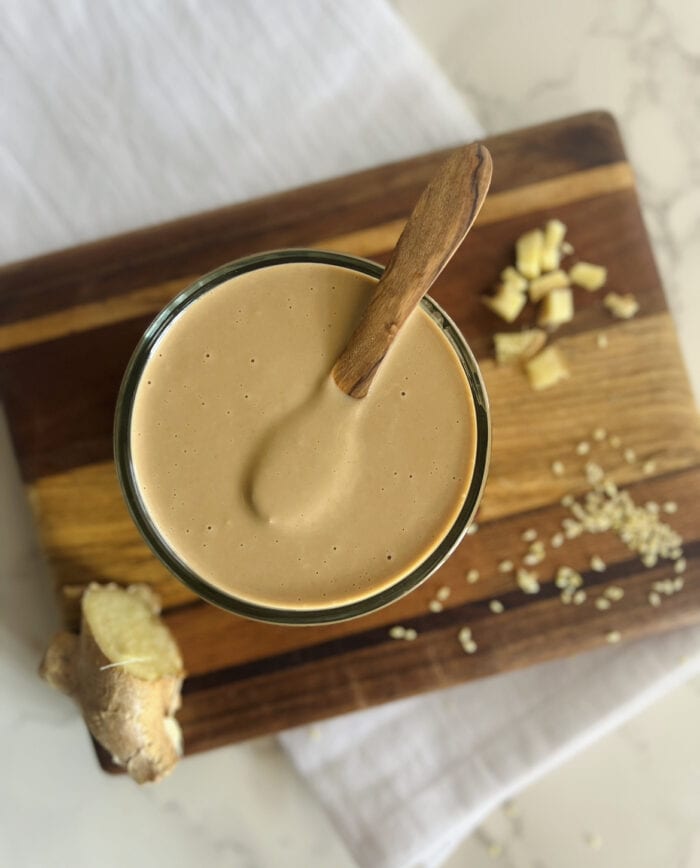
x=654 y=598
x=557 y=468
x=614 y=593
x=528 y=581
x=594 y=473
x=472 y=576
x=443 y=593
x=615 y=441
x=678 y=583
x=572 y=529
x=601 y=603
x=531 y=559
x=470 y=646
x=649 y=467
x=613 y=637
x=602 y=341
x=598 y=564
x=472 y=529
x=579 y=597
x=567 y=500
x=410 y=634
x=680 y=565
x=583 y=448
x=496 y=607
x=600 y=434
x=649 y=560
x=630 y=455
x=610 y=488
x=397 y=632
x=465 y=634
x=670 y=507
x=594 y=841
x=529 y=535
x=652 y=506
x=505 y=567
x=537 y=547
x=435 y=606
x=557 y=541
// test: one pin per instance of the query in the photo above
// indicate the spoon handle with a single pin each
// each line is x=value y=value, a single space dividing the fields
x=441 y=218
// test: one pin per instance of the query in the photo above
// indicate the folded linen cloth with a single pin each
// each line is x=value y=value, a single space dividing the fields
x=121 y=114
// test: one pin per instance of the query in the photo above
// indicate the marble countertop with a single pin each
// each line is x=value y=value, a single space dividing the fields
x=244 y=805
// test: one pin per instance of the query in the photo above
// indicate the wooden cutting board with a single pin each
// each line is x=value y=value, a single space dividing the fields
x=68 y=324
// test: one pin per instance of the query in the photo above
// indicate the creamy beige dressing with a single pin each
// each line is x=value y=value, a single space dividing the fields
x=239 y=387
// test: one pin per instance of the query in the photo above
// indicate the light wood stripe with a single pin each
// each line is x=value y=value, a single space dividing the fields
x=366 y=242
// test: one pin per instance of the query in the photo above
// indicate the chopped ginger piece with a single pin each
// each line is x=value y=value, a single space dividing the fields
x=557 y=307
x=590 y=277
x=513 y=279
x=528 y=253
x=540 y=286
x=621 y=306
x=514 y=346
x=507 y=303
x=554 y=233
x=546 y=369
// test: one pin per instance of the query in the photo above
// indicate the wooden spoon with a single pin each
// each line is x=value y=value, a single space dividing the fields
x=312 y=458
x=437 y=226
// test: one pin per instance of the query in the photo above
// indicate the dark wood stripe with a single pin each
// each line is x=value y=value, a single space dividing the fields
x=194 y=245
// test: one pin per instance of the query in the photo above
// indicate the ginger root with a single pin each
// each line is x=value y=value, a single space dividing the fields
x=125 y=670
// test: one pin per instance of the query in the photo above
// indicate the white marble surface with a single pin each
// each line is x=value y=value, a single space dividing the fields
x=523 y=63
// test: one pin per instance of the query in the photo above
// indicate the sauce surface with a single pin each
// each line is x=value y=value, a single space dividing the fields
x=238 y=366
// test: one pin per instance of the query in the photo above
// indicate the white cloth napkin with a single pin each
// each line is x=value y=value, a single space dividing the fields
x=123 y=113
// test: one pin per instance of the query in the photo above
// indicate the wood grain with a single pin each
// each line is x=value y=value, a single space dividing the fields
x=68 y=324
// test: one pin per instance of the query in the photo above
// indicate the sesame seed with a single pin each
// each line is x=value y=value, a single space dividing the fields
x=680 y=565
x=537 y=547
x=443 y=593
x=594 y=473
x=465 y=634
x=472 y=529
x=496 y=607
x=598 y=564
x=600 y=434
x=678 y=583
x=601 y=603
x=557 y=468
x=654 y=598
x=649 y=467
x=397 y=632
x=528 y=581
x=630 y=455
x=613 y=637
x=567 y=500
x=649 y=560
x=670 y=507
x=435 y=606
x=594 y=841
x=529 y=535
x=579 y=597
x=614 y=593
x=505 y=567
x=583 y=448
x=652 y=507
x=557 y=541
x=572 y=529
x=602 y=341
x=410 y=634
x=470 y=646
x=531 y=559
x=473 y=576
x=615 y=442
